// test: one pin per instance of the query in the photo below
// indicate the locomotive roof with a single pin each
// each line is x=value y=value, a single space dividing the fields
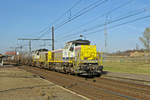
x=42 y=50
x=80 y=41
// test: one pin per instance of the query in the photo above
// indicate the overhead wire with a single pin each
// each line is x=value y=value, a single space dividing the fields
x=131 y=21
x=110 y=22
x=45 y=32
x=94 y=5
x=106 y=14
x=100 y=30
x=82 y=12
x=74 y=5
x=121 y=18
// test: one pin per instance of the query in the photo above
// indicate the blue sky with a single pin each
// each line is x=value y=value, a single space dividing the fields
x=26 y=18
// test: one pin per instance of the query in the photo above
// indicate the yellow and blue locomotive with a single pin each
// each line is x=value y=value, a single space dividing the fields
x=77 y=57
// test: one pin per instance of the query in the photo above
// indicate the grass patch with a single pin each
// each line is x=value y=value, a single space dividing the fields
x=136 y=68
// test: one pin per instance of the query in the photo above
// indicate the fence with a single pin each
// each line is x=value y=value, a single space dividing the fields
x=127 y=59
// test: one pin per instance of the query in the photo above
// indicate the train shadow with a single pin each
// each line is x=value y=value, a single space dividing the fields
x=94 y=76
x=105 y=72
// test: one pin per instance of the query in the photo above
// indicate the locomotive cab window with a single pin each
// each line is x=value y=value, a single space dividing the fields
x=72 y=47
x=67 y=46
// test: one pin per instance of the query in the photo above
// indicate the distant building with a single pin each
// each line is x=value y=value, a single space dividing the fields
x=10 y=53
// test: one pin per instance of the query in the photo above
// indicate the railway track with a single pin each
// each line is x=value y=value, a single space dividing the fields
x=97 y=88
x=139 y=81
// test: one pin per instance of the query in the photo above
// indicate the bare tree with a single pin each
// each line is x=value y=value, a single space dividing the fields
x=145 y=39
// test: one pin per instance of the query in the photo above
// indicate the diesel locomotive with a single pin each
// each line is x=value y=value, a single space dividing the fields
x=77 y=57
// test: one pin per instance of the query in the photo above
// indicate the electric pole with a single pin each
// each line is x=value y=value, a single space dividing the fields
x=53 y=48
x=105 y=33
x=30 y=46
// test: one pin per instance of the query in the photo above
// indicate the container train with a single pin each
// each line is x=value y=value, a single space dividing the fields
x=77 y=57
